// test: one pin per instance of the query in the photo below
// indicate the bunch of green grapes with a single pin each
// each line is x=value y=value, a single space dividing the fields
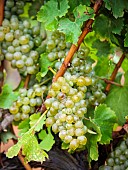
x=95 y=94
x=13 y=7
x=18 y=43
x=67 y=109
x=56 y=46
x=118 y=159
x=27 y=102
x=81 y=65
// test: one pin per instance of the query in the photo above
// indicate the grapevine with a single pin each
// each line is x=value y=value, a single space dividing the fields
x=70 y=97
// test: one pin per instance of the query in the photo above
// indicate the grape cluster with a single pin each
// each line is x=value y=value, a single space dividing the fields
x=95 y=94
x=56 y=46
x=81 y=65
x=67 y=108
x=13 y=7
x=18 y=43
x=118 y=159
x=27 y=102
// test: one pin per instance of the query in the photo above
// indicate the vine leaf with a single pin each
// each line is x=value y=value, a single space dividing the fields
x=44 y=63
x=7 y=97
x=47 y=139
x=24 y=126
x=92 y=139
x=14 y=150
x=125 y=64
x=109 y=26
x=126 y=38
x=28 y=142
x=106 y=70
x=71 y=29
x=103 y=48
x=117 y=100
x=105 y=118
x=5 y=136
x=34 y=118
x=30 y=148
x=116 y=6
x=50 y=12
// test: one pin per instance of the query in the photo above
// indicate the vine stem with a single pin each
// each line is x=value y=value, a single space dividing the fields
x=74 y=48
x=27 y=81
x=1 y=11
x=114 y=73
x=109 y=81
x=1 y=19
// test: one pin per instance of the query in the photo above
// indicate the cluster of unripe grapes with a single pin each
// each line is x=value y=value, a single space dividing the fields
x=118 y=159
x=56 y=46
x=18 y=40
x=13 y=7
x=28 y=101
x=95 y=94
x=67 y=108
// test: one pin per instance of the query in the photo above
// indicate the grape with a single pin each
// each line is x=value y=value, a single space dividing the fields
x=117 y=159
x=82 y=140
x=14 y=109
x=17 y=117
x=74 y=144
x=9 y=37
x=49 y=121
x=19 y=64
x=24 y=116
x=68 y=139
x=62 y=134
x=2 y=36
x=24 y=40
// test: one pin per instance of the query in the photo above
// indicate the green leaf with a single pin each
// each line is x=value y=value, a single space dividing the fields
x=117 y=100
x=7 y=97
x=47 y=140
x=32 y=150
x=117 y=25
x=104 y=67
x=125 y=64
x=75 y=3
x=92 y=140
x=105 y=118
x=23 y=127
x=72 y=30
x=42 y=134
x=126 y=79
x=28 y=142
x=5 y=136
x=103 y=48
x=44 y=63
x=50 y=12
x=14 y=150
x=126 y=38
x=117 y=7
x=109 y=26
x=37 y=118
